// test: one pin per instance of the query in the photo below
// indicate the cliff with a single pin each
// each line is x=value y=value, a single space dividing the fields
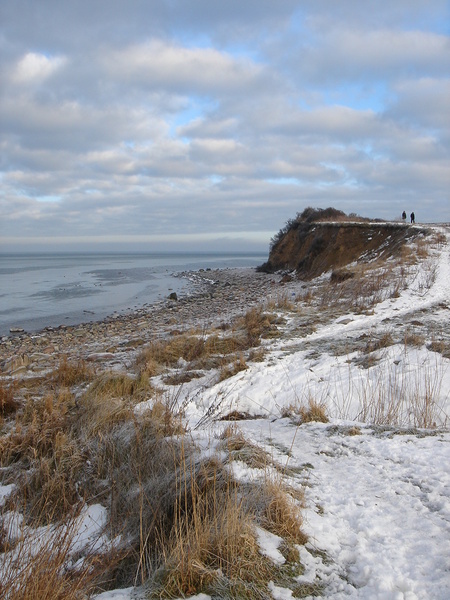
x=310 y=246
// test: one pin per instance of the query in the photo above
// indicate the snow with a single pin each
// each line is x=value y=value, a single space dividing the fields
x=378 y=503
x=5 y=491
x=269 y=544
x=378 y=506
x=291 y=376
x=377 y=496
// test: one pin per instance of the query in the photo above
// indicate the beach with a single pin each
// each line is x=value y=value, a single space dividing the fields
x=215 y=296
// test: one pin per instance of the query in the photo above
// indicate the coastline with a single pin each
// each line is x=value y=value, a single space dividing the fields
x=216 y=296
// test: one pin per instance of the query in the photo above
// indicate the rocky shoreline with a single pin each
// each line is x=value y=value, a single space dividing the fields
x=216 y=297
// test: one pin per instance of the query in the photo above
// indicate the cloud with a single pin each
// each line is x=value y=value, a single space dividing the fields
x=423 y=102
x=34 y=67
x=344 y=54
x=172 y=118
x=157 y=65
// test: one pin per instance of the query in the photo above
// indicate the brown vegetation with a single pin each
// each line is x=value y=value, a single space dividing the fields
x=187 y=529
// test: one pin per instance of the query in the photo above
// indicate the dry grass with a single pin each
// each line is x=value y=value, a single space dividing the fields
x=193 y=352
x=282 y=301
x=440 y=346
x=397 y=397
x=378 y=343
x=212 y=547
x=280 y=511
x=213 y=544
x=312 y=411
x=239 y=448
x=341 y=275
x=72 y=373
x=257 y=355
x=8 y=402
x=421 y=248
x=315 y=411
x=47 y=457
x=186 y=524
x=413 y=339
x=236 y=367
x=36 y=430
x=39 y=565
x=110 y=399
x=257 y=324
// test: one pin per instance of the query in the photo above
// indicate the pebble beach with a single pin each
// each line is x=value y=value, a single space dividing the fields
x=215 y=297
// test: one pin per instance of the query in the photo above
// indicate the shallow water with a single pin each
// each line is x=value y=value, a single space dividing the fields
x=37 y=291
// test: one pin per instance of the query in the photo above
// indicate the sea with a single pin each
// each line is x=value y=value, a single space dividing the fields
x=49 y=290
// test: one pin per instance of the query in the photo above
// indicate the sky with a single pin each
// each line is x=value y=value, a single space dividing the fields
x=206 y=125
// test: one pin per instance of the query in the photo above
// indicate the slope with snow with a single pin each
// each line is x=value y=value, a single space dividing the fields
x=378 y=497
x=376 y=476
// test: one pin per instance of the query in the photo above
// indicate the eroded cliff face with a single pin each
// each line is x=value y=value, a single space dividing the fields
x=314 y=248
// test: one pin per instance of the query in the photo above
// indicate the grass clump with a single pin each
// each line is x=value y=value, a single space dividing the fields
x=281 y=512
x=239 y=448
x=41 y=565
x=230 y=370
x=191 y=352
x=313 y=411
x=257 y=324
x=47 y=457
x=73 y=373
x=213 y=547
x=8 y=402
x=413 y=339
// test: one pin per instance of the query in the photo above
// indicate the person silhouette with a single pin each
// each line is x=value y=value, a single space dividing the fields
x=413 y=218
x=404 y=215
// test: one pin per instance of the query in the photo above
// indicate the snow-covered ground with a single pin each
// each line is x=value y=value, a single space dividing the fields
x=378 y=508
x=378 y=502
x=377 y=495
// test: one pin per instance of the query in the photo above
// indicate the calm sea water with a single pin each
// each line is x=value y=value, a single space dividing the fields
x=37 y=291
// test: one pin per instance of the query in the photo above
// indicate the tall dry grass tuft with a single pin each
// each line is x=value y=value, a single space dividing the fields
x=72 y=373
x=281 y=512
x=35 y=431
x=109 y=401
x=396 y=396
x=41 y=564
x=47 y=458
x=212 y=546
x=312 y=411
x=8 y=402
x=257 y=324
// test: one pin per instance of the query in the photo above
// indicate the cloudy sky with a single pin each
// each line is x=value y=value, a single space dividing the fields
x=206 y=124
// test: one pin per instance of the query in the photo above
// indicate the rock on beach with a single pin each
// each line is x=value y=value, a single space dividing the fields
x=217 y=296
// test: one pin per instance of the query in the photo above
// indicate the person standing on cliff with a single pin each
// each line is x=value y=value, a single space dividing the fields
x=404 y=215
x=413 y=218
